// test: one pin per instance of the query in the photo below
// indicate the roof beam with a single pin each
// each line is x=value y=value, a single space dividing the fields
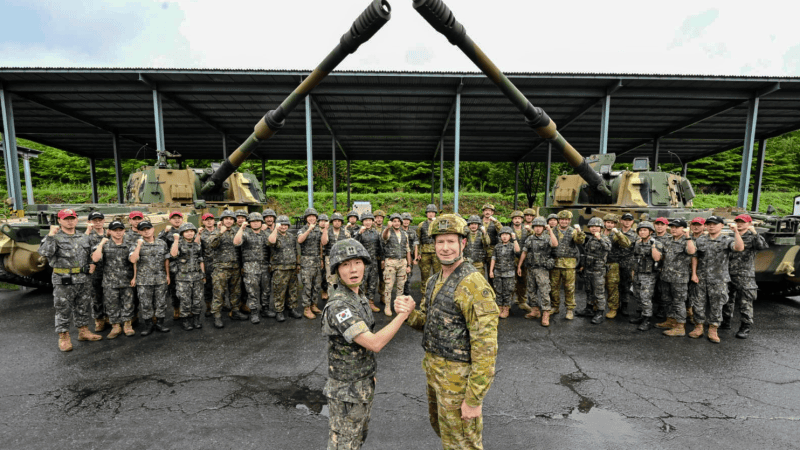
x=776 y=133
x=446 y=123
x=327 y=125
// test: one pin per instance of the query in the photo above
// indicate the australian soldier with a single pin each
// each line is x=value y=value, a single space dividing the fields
x=396 y=260
x=285 y=263
x=566 y=255
x=618 y=265
x=743 y=286
x=117 y=279
x=252 y=241
x=190 y=275
x=647 y=253
x=227 y=269
x=477 y=243
x=371 y=240
x=501 y=269
x=311 y=241
x=150 y=259
x=674 y=279
x=428 y=264
x=537 y=255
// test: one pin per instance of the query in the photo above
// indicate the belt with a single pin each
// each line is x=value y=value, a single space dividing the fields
x=69 y=270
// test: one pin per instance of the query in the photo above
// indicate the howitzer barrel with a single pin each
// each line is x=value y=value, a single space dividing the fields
x=436 y=13
x=364 y=27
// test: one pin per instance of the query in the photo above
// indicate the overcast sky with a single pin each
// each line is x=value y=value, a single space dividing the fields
x=675 y=37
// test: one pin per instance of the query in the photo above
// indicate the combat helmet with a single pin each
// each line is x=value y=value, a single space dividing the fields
x=595 y=222
x=269 y=212
x=506 y=230
x=448 y=224
x=310 y=212
x=336 y=216
x=379 y=212
x=186 y=226
x=552 y=216
x=528 y=212
x=539 y=222
x=241 y=212
x=395 y=216
x=254 y=217
x=487 y=206
x=345 y=250
x=431 y=208
x=565 y=214
x=322 y=217
x=406 y=216
x=474 y=219
x=610 y=218
x=646 y=224
x=283 y=220
x=352 y=213
x=367 y=215
x=227 y=213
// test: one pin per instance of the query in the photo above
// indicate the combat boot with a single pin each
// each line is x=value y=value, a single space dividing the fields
x=160 y=326
x=196 y=321
x=148 y=327
x=585 y=312
x=99 y=325
x=623 y=310
x=523 y=306
x=744 y=331
x=712 y=334
x=268 y=313
x=64 y=342
x=554 y=310
x=85 y=335
x=218 y=321
x=315 y=309
x=116 y=330
x=726 y=323
x=280 y=317
x=373 y=307
x=570 y=315
x=308 y=314
x=176 y=314
x=534 y=314
x=667 y=324
x=239 y=315
x=504 y=312
x=294 y=314
x=611 y=314
x=677 y=330
x=644 y=325
x=128 y=328
x=244 y=308
x=545 y=318
x=388 y=310
x=697 y=332
x=186 y=324
x=637 y=319
x=254 y=319
x=598 y=318
x=208 y=309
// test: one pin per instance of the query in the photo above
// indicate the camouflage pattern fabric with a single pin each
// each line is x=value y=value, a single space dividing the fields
x=172 y=295
x=118 y=303
x=226 y=279
x=539 y=288
x=595 y=287
x=208 y=260
x=674 y=279
x=562 y=277
x=311 y=279
x=150 y=269
x=284 y=289
x=394 y=276
x=521 y=282
x=190 y=294
x=258 y=287
x=503 y=257
x=742 y=264
x=371 y=241
x=428 y=265
x=493 y=230
x=348 y=424
x=426 y=242
x=477 y=246
x=612 y=279
x=504 y=289
x=152 y=299
x=716 y=294
x=713 y=268
x=67 y=251
x=187 y=263
x=742 y=292
x=370 y=283
x=116 y=282
x=98 y=302
x=675 y=295
x=71 y=302
x=567 y=252
x=225 y=254
x=284 y=253
x=329 y=277
x=643 y=287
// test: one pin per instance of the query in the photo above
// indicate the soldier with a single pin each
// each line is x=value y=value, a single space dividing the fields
x=371 y=240
x=477 y=243
x=150 y=259
x=520 y=282
x=624 y=257
x=285 y=263
x=348 y=324
x=117 y=279
x=396 y=260
x=311 y=239
x=697 y=228
x=227 y=269
x=621 y=252
x=96 y=232
x=566 y=255
x=661 y=225
x=674 y=278
x=68 y=253
x=134 y=218
x=241 y=220
x=595 y=253
x=537 y=255
x=503 y=260
x=269 y=220
x=380 y=215
x=335 y=234
x=190 y=275
x=413 y=243
x=428 y=263
x=209 y=225
x=492 y=227
x=352 y=225
x=241 y=217
x=713 y=251
x=647 y=252
x=459 y=321
x=175 y=222
x=252 y=241
x=268 y=226
x=743 y=288
x=552 y=221
x=324 y=224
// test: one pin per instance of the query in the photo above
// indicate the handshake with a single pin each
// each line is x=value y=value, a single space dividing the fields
x=404 y=304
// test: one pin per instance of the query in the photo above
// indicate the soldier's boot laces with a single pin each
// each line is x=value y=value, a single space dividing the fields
x=546 y=318
x=570 y=315
x=373 y=307
x=64 y=342
x=99 y=325
x=315 y=309
x=186 y=324
x=308 y=314
x=160 y=326
x=148 y=327
x=534 y=314
x=116 y=330
x=744 y=331
x=85 y=335
x=677 y=330
x=712 y=334
x=196 y=321
x=644 y=325
x=697 y=332
x=612 y=313
x=667 y=324
x=128 y=328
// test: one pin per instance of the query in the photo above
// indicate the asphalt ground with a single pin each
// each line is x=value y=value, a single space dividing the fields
x=572 y=385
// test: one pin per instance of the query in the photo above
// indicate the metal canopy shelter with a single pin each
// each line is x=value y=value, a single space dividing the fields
x=198 y=113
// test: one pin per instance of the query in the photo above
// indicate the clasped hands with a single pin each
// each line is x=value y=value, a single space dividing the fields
x=404 y=304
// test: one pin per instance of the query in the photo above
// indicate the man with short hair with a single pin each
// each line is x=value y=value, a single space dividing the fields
x=134 y=218
x=566 y=254
x=621 y=251
x=697 y=227
x=227 y=269
x=678 y=254
x=624 y=256
x=661 y=225
x=95 y=229
x=743 y=287
x=311 y=239
x=428 y=264
x=117 y=279
x=252 y=241
x=151 y=277
x=352 y=223
x=175 y=222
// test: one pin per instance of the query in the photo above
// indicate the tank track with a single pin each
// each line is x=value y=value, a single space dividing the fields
x=8 y=277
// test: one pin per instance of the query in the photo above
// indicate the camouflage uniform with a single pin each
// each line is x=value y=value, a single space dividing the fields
x=428 y=263
x=412 y=244
x=98 y=301
x=172 y=294
x=227 y=270
x=189 y=277
x=208 y=261
x=712 y=268
x=743 y=288
x=659 y=306
x=395 y=254
x=371 y=241
x=644 y=274
x=618 y=268
x=594 y=269
x=521 y=282
x=117 y=276
x=70 y=254
x=311 y=265
x=504 y=257
x=477 y=248
x=459 y=321
x=350 y=388
x=284 y=259
x=676 y=269
x=563 y=272
x=151 y=278
x=492 y=228
x=333 y=237
x=255 y=269
x=539 y=261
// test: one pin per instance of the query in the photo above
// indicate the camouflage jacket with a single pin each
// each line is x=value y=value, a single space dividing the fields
x=132 y=236
x=333 y=237
x=567 y=252
x=474 y=300
x=166 y=236
x=94 y=239
x=226 y=255
x=622 y=247
x=150 y=266
x=742 y=264
x=522 y=234
x=208 y=252
x=493 y=230
x=371 y=241
x=255 y=251
x=424 y=238
x=394 y=248
x=503 y=258
x=643 y=261
x=119 y=269
x=538 y=252
x=676 y=262
x=67 y=251
x=713 y=257
x=312 y=246
x=477 y=246
x=595 y=252
x=412 y=240
x=284 y=253
x=663 y=238
x=187 y=263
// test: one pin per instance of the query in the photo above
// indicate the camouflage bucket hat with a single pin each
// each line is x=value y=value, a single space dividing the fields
x=595 y=222
x=254 y=217
x=186 y=227
x=283 y=220
x=345 y=250
x=448 y=224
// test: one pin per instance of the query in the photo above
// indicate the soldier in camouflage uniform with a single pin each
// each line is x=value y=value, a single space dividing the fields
x=566 y=255
x=209 y=225
x=743 y=288
x=134 y=218
x=624 y=257
x=268 y=226
x=677 y=263
x=647 y=252
x=190 y=275
x=697 y=228
x=252 y=240
x=459 y=319
x=380 y=215
x=537 y=255
x=324 y=224
x=414 y=245
x=595 y=253
x=371 y=240
x=621 y=250
x=352 y=223
x=492 y=227
x=428 y=264
x=552 y=221
x=713 y=256
x=396 y=260
x=503 y=260
x=95 y=229
x=227 y=269
x=521 y=233
x=68 y=253
x=661 y=225
x=348 y=323
x=175 y=222
x=241 y=218
x=117 y=279
x=335 y=233
x=285 y=263
x=311 y=241
x=150 y=259
x=477 y=243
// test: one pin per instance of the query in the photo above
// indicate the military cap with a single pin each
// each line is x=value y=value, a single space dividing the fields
x=448 y=224
x=269 y=212
x=367 y=215
x=610 y=218
x=406 y=216
x=699 y=220
x=116 y=225
x=678 y=222
x=552 y=216
x=345 y=250
x=474 y=219
x=595 y=222
x=227 y=213
x=663 y=220
x=310 y=212
x=539 y=222
x=431 y=208
x=135 y=214
x=96 y=215
x=507 y=230
x=254 y=217
x=743 y=218
x=241 y=212
x=337 y=216
x=379 y=212
x=64 y=213
x=715 y=219
x=186 y=227
x=352 y=213
x=143 y=225
x=646 y=224
x=283 y=220
x=627 y=216
x=488 y=206
x=528 y=212
x=516 y=214
x=565 y=214
x=207 y=216
x=395 y=216
x=324 y=217
x=175 y=213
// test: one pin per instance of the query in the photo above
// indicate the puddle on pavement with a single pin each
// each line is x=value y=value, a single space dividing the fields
x=588 y=416
x=303 y=398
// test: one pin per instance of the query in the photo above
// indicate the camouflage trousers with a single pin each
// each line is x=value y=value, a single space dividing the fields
x=72 y=302
x=428 y=265
x=504 y=288
x=644 y=284
x=565 y=277
x=595 y=288
x=675 y=295
x=311 y=279
x=118 y=303
x=521 y=284
x=370 y=283
x=226 y=279
x=625 y=285
x=348 y=424
x=742 y=291
x=98 y=303
x=394 y=276
x=190 y=294
x=172 y=294
x=208 y=288
x=716 y=294
x=612 y=279
x=152 y=300
x=329 y=277
x=382 y=284
x=284 y=289
x=447 y=387
x=539 y=288
x=258 y=287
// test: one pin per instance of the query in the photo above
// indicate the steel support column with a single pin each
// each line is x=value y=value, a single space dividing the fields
x=457 y=158
x=441 y=176
x=309 y=154
x=762 y=151
x=547 y=186
x=433 y=180
x=117 y=167
x=606 y=111
x=348 y=186
x=93 y=181
x=333 y=161
x=656 y=150
x=747 y=152
x=28 y=175
x=263 y=175
x=158 y=112
x=516 y=185
x=10 y=150
x=224 y=146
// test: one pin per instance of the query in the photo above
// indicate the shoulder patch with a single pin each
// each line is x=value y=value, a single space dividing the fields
x=344 y=315
x=486 y=293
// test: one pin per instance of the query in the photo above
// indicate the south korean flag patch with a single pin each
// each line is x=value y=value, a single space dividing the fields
x=344 y=315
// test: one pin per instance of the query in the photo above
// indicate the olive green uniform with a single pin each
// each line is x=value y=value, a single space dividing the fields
x=428 y=262
x=563 y=272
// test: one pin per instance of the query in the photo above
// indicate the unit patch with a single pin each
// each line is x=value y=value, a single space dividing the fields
x=344 y=315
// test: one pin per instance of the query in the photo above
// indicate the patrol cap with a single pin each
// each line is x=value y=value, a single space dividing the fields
x=175 y=213
x=283 y=220
x=269 y=212
x=627 y=216
x=367 y=215
x=646 y=224
x=241 y=212
x=715 y=219
x=565 y=214
x=227 y=213
x=186 y=227
x=323 y=217
x=135 y=214
x=474 y=219
x=528 y=212
x=254 y=217
x=611 y=218
x=448 y=224
x=662 y=220
x=678 y=222
x=116 y=225
x=595 y=222
x=699 y=220
x=488 y=206
x=207 y=216
x=96 y=215
x=379 y=212
x=64 y=213
x=143 y=225
x=743 y=218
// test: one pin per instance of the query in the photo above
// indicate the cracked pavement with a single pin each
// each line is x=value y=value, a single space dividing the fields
x=573 y=385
